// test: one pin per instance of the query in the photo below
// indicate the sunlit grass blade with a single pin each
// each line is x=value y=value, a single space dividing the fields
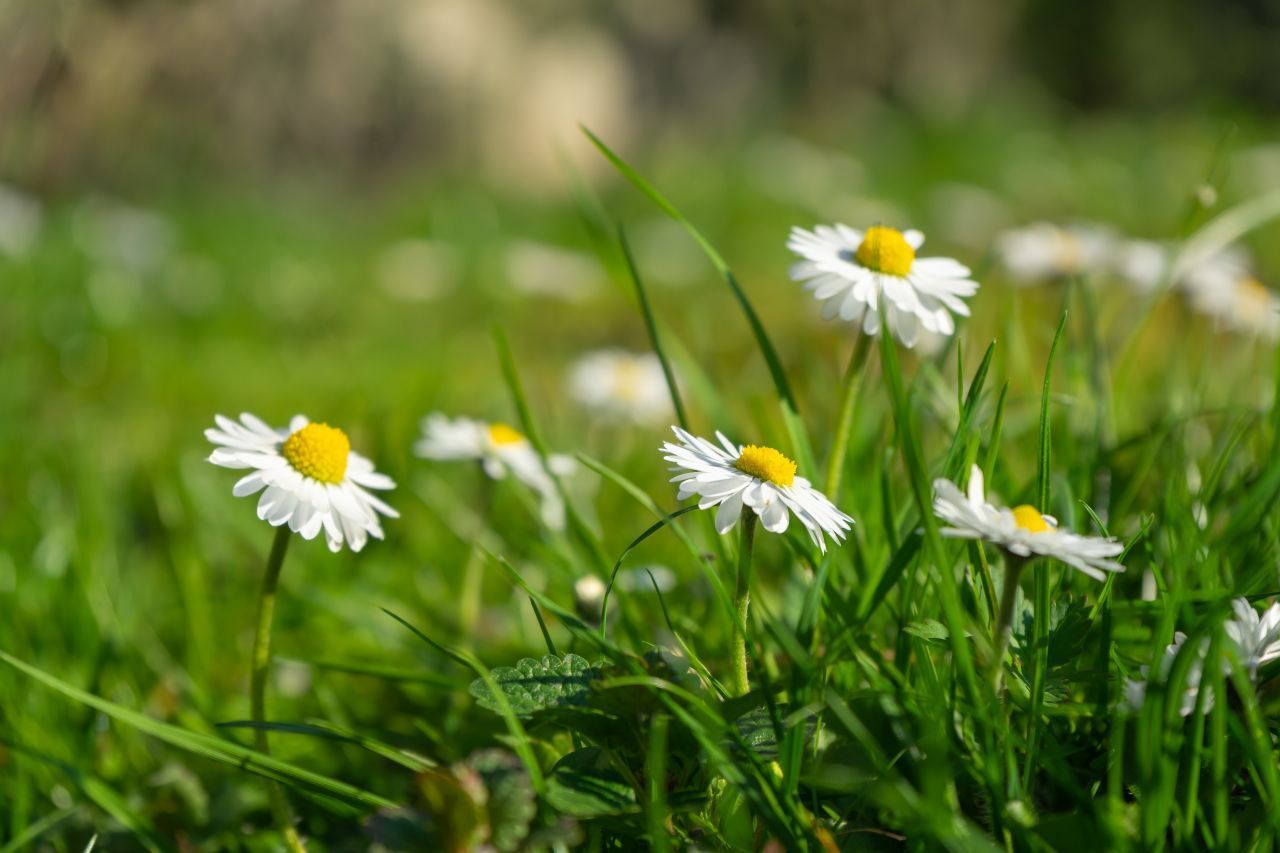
x=651 y=328
x=790 y=409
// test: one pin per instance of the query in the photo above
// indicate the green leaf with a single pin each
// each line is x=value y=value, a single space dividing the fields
x=539 y=685
x=583 y=785
x=928 y=629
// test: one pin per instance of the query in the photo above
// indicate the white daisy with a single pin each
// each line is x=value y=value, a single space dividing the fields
x=622 y=385
x=1253 y=639
x=1224 y=288
x=858 y=275
x=1144 y=264
x=731 y=476
x=309 y=476
x=1043 y=251
x=1022 y=531
x=500 y=450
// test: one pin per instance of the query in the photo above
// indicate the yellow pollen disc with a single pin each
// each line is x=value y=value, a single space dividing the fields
x=1030 y=519
x=502 y=434
x=886 y=250
x=767 y=464
x=318 y=451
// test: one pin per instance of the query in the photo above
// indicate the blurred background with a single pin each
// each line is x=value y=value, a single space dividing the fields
x=324 y=206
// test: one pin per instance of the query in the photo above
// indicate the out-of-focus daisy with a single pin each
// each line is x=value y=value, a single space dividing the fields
x=500 y=449
x=1254 y=640
x=860 y=275
x=1224 y=288
x=309 y=476
x=1044 y=251
x=731 y=477
x=621 y=384
x=1022 y=531
x=1141 y=263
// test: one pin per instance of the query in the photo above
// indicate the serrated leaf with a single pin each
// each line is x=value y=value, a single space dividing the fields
x=540 y=685
x=583 y=785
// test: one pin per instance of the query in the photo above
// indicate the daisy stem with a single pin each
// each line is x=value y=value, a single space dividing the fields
x=1004 y=622
x=258 y=684
x=742 y=601
x=844 y=424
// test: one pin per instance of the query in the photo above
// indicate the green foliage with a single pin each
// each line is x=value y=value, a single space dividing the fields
x=540 y=685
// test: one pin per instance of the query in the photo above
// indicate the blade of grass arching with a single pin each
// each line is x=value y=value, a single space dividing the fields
x=520 y=739
x=949 y=595
x=786 y=399
x=330 y=731
x=617 y=565
x=655 y=771
x=1258 y=746
x=205 y=745
x=713 y=577
x=383 y=672
x=694 y=661
x=511 y=376
x=571 y=622
x=542 y=626
x=651 y=327
x=1042 y=578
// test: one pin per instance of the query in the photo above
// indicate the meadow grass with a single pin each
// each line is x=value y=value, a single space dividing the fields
x=441 y=688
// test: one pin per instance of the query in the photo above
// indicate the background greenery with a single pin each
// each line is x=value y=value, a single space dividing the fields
x=248 y=253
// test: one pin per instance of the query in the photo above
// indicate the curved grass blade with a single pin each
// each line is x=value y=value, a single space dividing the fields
x=613 y=576
x=207 y=746
x=786 y=399
x=651 y=327
x=520 y=739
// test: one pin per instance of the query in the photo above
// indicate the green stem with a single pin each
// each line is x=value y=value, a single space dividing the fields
x=1004 y=621
x=258 y=684
x=742 y=601
x=844 y=423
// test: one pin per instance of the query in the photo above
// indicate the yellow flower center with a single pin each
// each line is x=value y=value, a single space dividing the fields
x=318 y=451
x=627 y=380
x=886 y=250
x=767 y=464
x=1029 y=519
x=501 y=434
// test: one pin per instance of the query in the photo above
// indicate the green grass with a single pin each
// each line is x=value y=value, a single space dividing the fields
x=399 y=715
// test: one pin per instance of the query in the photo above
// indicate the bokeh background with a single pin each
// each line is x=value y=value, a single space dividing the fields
x=326 y=205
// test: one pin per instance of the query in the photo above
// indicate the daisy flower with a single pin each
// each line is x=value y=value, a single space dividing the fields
x=1254 y=641
x=1044 y=251
x=1022 y=531
x=730 y=477
x=1224 y=288
x=1144 y=264
x=500 y=450
x=309 y=476
x=622 y=385
x=859 y=275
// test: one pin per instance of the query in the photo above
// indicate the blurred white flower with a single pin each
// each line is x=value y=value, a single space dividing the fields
x=1044 y=251
x=1022 y=531
x=309 y=476
x=622 y=385
x=860 y=275
x=1252 y=639
x=731 y=477
x=500 y=450
x=588 y=596
x=1144 y=264
x=541 y=269
x=416 y=270
x=21 y=218
x=1223 y=288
